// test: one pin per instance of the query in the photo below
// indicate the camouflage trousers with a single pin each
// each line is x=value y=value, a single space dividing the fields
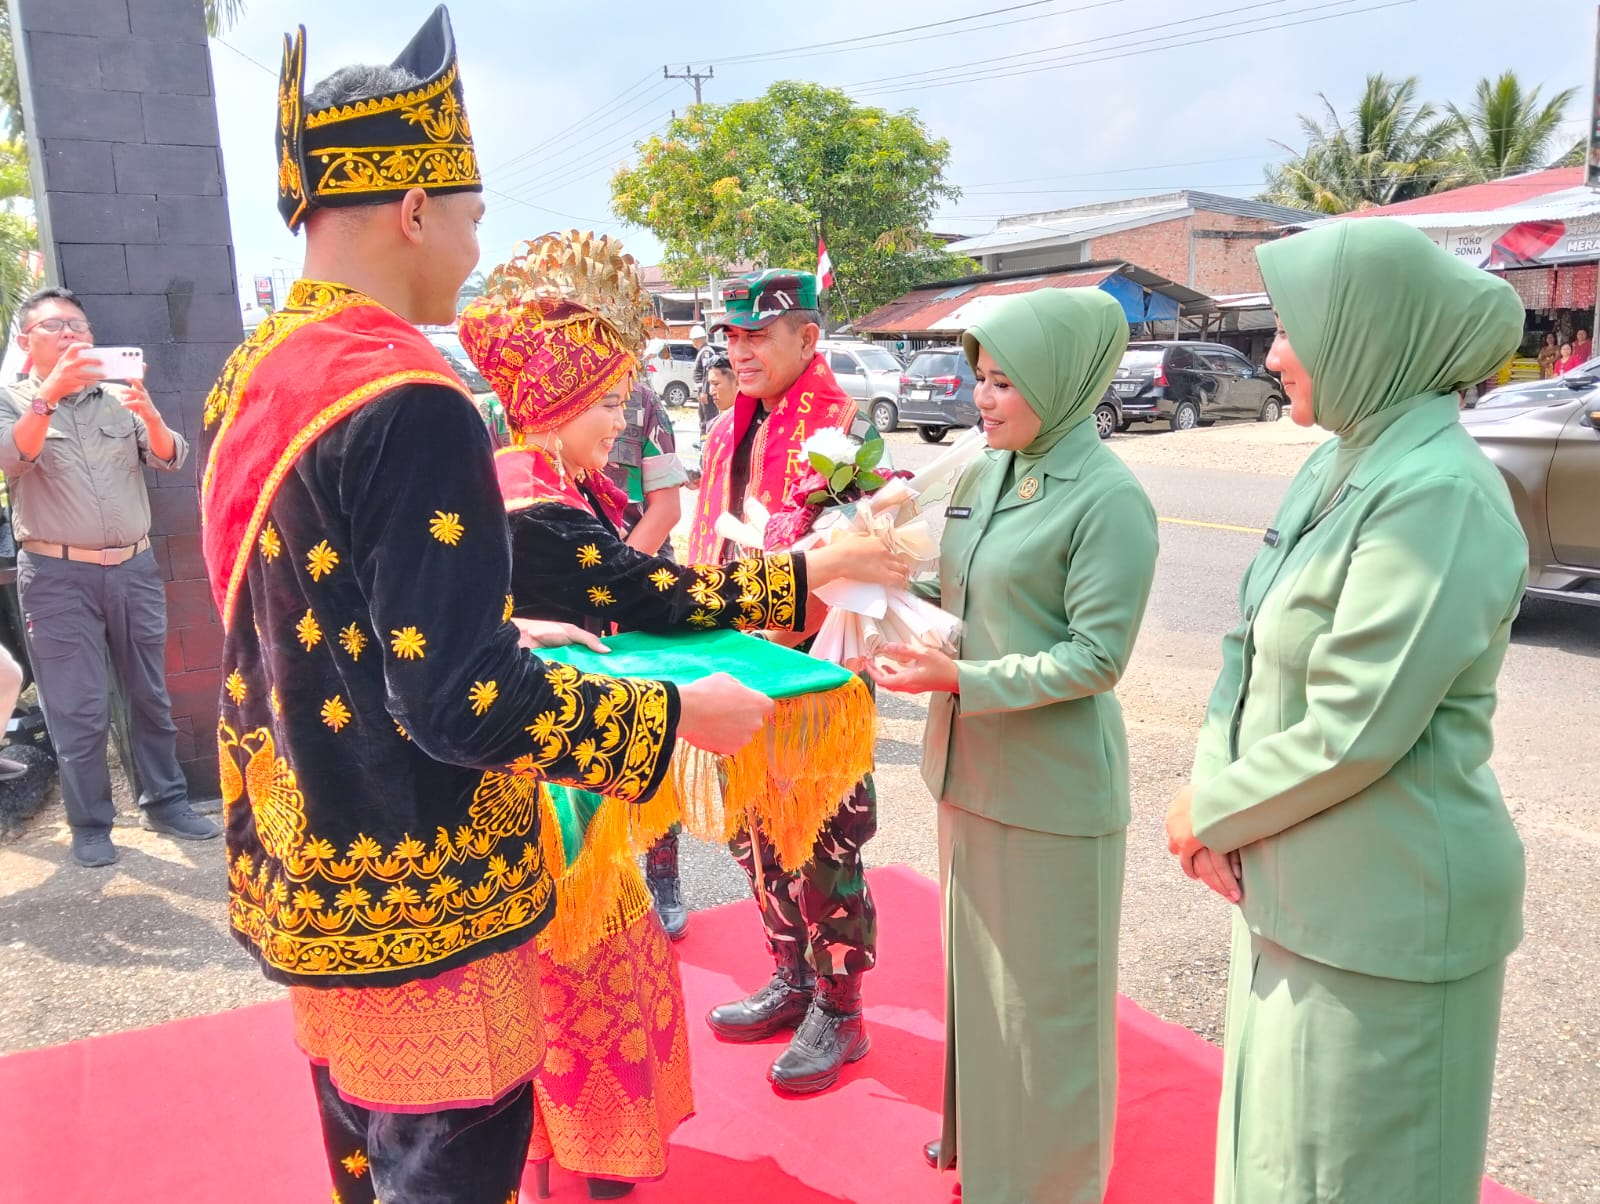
x=824 y=908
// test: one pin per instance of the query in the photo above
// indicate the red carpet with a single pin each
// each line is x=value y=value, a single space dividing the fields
x=219 y=1108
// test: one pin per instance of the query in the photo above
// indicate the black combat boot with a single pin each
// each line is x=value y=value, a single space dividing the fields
x=661 y=876
x=832 y=1034
x=781 y=1004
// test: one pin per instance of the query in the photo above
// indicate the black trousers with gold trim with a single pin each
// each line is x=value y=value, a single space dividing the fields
x=453 y=1156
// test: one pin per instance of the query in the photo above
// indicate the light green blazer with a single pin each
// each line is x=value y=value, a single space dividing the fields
x=1346 y=745
x=1051 y=589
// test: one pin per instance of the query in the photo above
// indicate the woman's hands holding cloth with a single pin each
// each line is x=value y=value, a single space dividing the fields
x=1222 y=872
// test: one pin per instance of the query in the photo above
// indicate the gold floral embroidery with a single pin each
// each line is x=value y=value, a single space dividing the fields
x=404 y=735
x=392 y=907
x=511 y=607
x=308 y=631
x=236 y=687
x=354 y=641
x=588 y=556
x=321 y=561
x=482 y=696
x=600 y=595
x=271 y=545
x=409 y=644
x=356 y=1164
x=663 y=579
x=701 y=619
x=272 y=698
x=446 y=528
x=335 y=714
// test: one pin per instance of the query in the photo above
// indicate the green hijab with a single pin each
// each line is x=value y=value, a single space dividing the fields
x=1060 y=347
x=1384 y=320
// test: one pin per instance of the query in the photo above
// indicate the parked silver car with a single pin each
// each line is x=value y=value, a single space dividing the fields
x=669 y=369
x=871 y=375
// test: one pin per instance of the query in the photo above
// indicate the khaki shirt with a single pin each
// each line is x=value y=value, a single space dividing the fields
x=85 y=487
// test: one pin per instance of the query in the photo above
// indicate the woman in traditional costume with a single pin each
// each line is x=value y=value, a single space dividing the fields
x=558 y=335
x=1047 y=557
x=1341 y=793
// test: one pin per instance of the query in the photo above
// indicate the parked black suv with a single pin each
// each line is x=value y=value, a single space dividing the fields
x=936 y=394
x=1193 y=384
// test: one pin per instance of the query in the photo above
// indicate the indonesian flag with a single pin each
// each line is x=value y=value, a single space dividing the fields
x=824 y=265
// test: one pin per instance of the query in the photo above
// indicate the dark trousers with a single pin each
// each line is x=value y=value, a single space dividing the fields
x=453 y=1156
x=824 y=908
x=76 y=614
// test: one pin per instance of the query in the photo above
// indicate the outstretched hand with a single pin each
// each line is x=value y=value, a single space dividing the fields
x=540 y=633
x=915 y=670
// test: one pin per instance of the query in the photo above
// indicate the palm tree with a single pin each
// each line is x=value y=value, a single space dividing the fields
x=1506 y=131
x=1392 y=147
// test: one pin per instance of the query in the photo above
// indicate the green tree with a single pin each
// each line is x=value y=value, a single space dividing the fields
x=471 y=290
x=1506 y=130
x=1392 y=147
x=759 y=180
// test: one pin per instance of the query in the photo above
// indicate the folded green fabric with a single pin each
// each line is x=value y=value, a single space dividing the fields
x=776 y=671
x=574 y=808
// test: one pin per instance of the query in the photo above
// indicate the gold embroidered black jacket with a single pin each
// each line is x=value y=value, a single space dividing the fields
x=572 y=566
x=383 y=735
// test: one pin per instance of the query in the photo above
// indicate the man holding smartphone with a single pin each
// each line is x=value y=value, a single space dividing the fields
x=72 y=446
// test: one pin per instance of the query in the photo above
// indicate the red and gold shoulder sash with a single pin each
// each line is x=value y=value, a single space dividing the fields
x=813 y=402
x=308 y=367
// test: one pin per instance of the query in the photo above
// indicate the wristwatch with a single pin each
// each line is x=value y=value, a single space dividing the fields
x=42 y=407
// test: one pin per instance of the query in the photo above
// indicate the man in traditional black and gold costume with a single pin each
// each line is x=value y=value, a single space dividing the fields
x=383 y=737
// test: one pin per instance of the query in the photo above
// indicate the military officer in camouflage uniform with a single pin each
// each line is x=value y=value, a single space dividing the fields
x=820 y=921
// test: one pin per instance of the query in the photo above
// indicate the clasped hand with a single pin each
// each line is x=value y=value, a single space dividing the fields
x=1222 y=872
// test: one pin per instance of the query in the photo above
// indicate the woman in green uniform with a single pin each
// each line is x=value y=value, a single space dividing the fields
x=1341 y=791
x=1048 y=553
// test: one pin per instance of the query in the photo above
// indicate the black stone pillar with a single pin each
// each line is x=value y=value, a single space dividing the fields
x=133 y=217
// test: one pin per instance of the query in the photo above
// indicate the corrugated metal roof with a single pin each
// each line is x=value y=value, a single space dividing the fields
x=1060 y=227
x=939 y=308
x=928 y=309
x=1511 y=192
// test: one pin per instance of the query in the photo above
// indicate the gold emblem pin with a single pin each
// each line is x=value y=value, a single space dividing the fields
x=1028 y=488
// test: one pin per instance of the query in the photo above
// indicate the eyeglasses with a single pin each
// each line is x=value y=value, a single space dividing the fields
x=57 y=325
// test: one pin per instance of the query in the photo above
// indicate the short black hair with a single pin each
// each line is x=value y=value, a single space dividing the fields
x=35 y=299
x=349 y=85
x=802 y=317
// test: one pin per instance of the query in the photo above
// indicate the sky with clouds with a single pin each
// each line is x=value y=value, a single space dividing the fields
x=1137 y=96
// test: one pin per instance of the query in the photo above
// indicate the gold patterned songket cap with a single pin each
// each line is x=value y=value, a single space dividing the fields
x=375 y=151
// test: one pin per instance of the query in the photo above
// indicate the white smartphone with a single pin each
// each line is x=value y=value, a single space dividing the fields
x=116 y=363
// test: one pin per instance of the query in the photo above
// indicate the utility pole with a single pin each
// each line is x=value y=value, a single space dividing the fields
x=694 y=77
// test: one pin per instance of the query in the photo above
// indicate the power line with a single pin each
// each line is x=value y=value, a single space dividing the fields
x=579 y=123
x=991 y=61
x=847 y=44
x=576 y=169
x=247 y=58
x=560 y=158
x=554 y=156
x=1131 y=51
x=597 y=223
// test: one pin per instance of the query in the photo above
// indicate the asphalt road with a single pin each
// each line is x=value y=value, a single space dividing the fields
x=84 y=952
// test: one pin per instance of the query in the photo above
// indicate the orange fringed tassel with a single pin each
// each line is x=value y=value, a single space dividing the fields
x=599 y=894
x=793 y=777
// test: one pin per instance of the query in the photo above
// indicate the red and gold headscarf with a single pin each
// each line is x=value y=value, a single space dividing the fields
x=558 y=327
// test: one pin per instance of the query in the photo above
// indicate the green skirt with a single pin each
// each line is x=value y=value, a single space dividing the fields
x=1339 y=1088
x=1031 y=924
